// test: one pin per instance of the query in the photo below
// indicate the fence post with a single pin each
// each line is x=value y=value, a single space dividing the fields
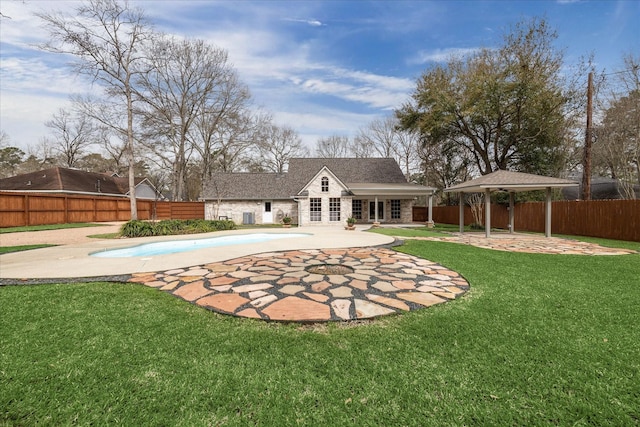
x=27 y=219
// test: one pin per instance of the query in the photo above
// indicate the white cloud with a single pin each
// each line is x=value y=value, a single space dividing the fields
x=441 y=55
x=310 y=22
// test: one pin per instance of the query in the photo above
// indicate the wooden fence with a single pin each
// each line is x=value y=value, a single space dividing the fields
x=610 y=219
x=21 y=209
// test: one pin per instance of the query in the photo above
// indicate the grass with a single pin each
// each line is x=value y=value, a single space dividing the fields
x=539 y=340
x=47 y=227
x=20 y=248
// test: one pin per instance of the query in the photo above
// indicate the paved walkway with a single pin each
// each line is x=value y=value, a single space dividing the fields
x=299 y=285
x=529 y=243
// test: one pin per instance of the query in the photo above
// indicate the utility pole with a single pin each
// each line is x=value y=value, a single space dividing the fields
x=588 y=139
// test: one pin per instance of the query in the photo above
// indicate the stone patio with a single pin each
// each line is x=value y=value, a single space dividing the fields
x=277 y=286
x=528 y=243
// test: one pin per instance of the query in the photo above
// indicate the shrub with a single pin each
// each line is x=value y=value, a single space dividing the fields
x=137 y=228
x=170 y=227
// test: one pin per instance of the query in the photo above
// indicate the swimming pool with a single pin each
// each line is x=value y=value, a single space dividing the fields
x=176 y=246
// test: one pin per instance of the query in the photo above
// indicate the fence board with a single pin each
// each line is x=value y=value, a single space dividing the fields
x=609 y=219
x=21 y=209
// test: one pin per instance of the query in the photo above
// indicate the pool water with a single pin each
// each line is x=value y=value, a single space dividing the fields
x=176 y=246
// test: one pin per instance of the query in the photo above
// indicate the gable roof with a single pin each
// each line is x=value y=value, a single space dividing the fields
x=64 y=180
x=510 y=181
x=370 y=173
x=348 y=170
x=324 y=171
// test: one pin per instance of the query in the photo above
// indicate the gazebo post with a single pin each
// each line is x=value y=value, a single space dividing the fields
x=547 y=214
x=430 y=211
x=461 y=214
x=487 y=213
x=511 y=212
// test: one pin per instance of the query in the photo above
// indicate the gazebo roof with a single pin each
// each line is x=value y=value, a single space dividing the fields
x=502 y=180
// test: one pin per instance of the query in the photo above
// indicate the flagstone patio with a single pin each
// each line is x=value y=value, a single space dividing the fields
x=278 y=286
x=529 y=243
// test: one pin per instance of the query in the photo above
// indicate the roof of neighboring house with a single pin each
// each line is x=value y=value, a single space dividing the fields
x=510 y=181
x=64 y=180
x=260 y=186
x=602 y=188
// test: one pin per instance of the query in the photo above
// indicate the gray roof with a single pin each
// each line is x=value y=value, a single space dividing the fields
x=510 y=181
x=260 y=186
x=247 y=186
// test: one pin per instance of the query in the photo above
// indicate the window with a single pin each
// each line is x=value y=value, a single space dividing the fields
x=324 y=184
x=334 y=209
x=356 y=209
x=395 y=209
x=315 y=209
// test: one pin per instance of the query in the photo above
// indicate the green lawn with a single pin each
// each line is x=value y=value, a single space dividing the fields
x=20 y=248
x=539 y=340
x=48 y=227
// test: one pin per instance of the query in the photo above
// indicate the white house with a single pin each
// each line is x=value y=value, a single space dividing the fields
x=316 y=191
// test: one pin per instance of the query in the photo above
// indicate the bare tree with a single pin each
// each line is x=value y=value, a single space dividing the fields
x=185 y=79
x=106 y=37
x=384 y=138
x=407 y=151
x=617 y=148
x=5 y=139
x=333 y=146
x=72 y=134
x=380 y=137
x=278 y=145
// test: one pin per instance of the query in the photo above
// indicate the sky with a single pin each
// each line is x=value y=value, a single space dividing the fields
x=321 y=67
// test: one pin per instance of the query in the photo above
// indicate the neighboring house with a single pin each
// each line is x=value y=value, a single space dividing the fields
x=74 y=181
x=602 y=188
x=316 y=192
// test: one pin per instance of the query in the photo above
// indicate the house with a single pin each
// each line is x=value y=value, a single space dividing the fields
x=316 y=191
x=602 y=188
x=74 y=181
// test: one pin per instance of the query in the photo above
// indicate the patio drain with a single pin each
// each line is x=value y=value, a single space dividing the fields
x=330 y=269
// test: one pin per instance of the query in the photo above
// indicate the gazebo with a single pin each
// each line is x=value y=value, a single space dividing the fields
x=510 y=182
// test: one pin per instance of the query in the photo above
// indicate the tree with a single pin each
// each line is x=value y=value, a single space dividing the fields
x=617 y=147
x=334 y=146
x=503 y=106
x=106 y=37
x=384 y=138
x=72 y=135
x=186 y=78
x=379 y=137
x=10 y=159
x=279 y=144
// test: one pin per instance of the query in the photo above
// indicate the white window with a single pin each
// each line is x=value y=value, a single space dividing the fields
x=315 y=209
x=395 y=209
x=356 y=209
x=334 y=209
x=324 y=184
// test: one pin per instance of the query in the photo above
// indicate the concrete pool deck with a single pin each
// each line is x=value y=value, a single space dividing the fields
x=75 y=261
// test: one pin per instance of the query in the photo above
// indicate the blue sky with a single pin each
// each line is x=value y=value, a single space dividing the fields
x=321 y=67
